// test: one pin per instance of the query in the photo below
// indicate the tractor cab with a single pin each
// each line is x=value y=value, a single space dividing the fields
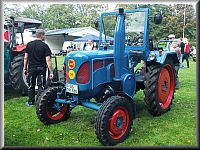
x=15 y=28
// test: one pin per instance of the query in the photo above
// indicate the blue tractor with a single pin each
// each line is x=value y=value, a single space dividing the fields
x=106 y=79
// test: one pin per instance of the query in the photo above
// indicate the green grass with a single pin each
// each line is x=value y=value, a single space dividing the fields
x=60 y=61
x=175 y=128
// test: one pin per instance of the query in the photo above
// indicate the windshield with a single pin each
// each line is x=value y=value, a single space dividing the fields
x=134 y=28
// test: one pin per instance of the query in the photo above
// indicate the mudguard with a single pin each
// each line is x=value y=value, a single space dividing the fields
x=161 y=58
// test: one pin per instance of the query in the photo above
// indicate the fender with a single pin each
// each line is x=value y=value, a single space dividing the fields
x=161 y=58
x=19 y=48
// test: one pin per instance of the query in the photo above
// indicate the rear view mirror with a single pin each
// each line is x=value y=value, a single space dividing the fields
x=157 y=18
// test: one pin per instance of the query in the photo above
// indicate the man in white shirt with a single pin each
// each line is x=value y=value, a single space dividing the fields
x=89 y=46
x=171 y=37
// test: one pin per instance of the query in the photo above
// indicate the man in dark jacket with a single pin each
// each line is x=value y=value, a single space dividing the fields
x=182 y=46
x=38 y=57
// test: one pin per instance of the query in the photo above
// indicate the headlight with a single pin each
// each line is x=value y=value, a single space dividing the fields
x=152 y=56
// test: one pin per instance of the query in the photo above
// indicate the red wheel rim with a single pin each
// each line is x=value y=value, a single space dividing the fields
x=165 y=86
x=118 y=123
x=56 y=114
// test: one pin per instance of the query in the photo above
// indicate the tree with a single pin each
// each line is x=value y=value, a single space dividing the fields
x=36 y=11
x=82 y=15
x=60 y=16
x=173 y=20
x=12 y=10
x=87 y=14
x=65 y=15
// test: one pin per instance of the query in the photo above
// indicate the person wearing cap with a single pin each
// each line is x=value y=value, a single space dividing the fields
x=173 y=45
x=89 y=45
x=38 y=58
x=171 y=37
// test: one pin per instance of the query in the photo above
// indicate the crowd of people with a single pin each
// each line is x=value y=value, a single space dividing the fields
x=182 y=48
x=90 y=45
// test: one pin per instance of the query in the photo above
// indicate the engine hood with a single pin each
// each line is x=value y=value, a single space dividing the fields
x=90 y=54
x=80 y=57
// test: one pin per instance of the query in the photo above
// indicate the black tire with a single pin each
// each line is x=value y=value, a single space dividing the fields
x=109 y=113
x=45 y=110
x=158 y=92
x=16 y=74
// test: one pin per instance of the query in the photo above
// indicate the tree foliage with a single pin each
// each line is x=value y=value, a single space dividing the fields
x=80 y=15
x=12 y=11
x=65 y=15
x=173 y=20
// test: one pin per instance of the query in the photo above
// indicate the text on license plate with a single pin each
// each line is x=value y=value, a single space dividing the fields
x=71 y=88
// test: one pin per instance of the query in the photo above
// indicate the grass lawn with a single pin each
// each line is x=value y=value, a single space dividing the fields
x=175 y=128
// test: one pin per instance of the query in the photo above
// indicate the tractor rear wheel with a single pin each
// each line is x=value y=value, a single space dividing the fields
x=16 y=74
x=159 y=87
x=114 y=120
x=48 y=111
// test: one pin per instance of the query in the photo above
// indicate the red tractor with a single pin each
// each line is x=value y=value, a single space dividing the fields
x=14 y=51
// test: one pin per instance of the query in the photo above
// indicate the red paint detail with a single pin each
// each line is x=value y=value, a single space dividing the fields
x=97 y=64
x=83 y=75
x=66 y=77
x=112 y=71
x=6 y=35
x=19 y=48
x=71 y=63
x=57 y=114
x=108 y=61
x=143 y=69
x=165 y=95
x=114 y=131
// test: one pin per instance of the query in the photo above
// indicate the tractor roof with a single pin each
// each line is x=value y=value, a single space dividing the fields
x=28 y=23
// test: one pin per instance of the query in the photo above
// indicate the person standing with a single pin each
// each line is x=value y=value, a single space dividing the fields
x=95 y=46
x=89 y=45
x=38 y=57
x=182 y=46
x=70 y=47
x=171 y=38
x=187 y=52
x=172 y=45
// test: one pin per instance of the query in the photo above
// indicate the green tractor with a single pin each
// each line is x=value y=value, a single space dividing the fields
x=14 y=51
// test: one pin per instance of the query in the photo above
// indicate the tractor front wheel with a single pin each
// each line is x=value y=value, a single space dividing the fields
x=48 y=111
x=114 y=120
x=159 y=87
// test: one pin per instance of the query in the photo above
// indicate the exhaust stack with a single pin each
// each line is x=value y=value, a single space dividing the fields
x=119 y=47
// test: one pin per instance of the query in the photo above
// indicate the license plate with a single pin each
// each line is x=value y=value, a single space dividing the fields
x=71 y=88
